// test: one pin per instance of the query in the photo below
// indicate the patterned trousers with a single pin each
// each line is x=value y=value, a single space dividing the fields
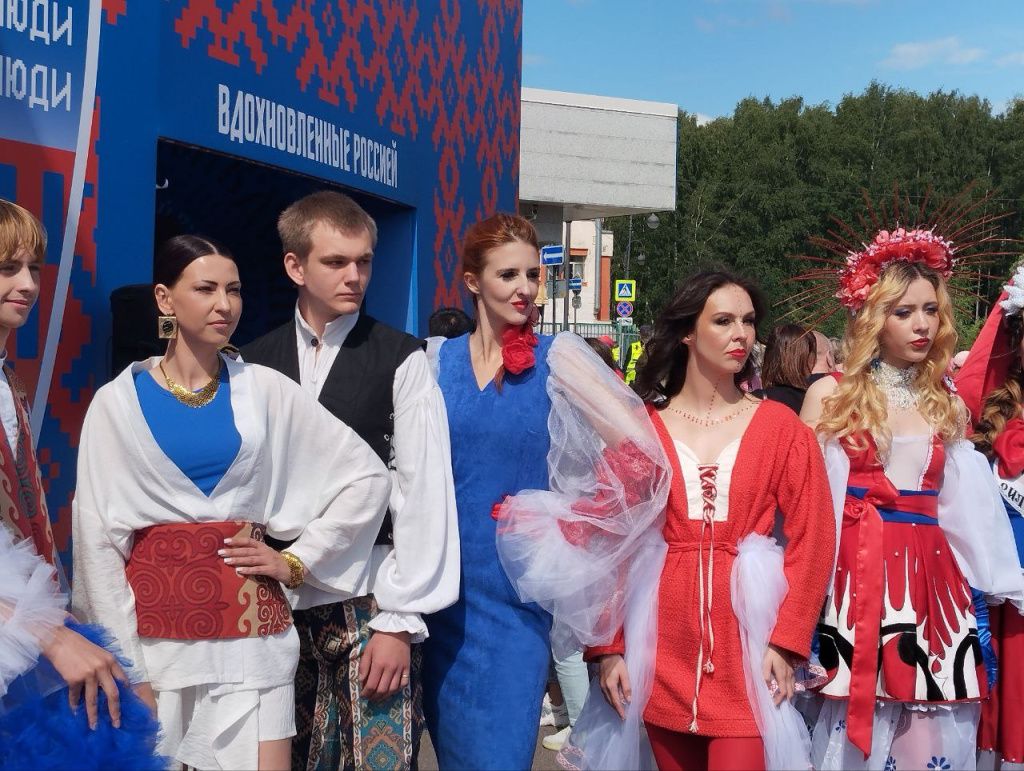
x=337 y=729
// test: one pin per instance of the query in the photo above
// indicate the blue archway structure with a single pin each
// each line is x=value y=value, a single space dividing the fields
x=210 y=116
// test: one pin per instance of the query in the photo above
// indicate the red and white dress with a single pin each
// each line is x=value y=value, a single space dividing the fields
x=637 y=548
x=899 y=636
x=699 y=679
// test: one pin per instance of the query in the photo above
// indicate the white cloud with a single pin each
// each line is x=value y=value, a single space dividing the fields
x=534 y=60
x=947 y=50
x=702 y=119
x=1011 y=60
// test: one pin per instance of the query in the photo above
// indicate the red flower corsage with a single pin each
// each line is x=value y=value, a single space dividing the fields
x=1009 y=448
x=517 y=344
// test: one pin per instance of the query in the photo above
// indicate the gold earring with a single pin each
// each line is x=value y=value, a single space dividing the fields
x=167 y=327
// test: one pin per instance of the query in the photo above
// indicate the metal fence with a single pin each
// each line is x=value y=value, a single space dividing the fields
x=623 y=336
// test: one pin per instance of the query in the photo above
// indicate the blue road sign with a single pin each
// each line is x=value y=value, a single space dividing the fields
x=624 y=309
x=576 y=284
x=552 y=255
x=625 y=289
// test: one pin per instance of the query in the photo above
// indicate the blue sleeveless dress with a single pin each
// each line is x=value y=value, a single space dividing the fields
x=485 y=662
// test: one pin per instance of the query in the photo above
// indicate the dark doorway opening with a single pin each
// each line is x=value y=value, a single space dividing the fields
x=237 y=201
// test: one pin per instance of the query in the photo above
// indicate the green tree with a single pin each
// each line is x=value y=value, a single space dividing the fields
x=752 y=187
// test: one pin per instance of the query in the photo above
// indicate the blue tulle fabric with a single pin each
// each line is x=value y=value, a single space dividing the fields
x=39 y=731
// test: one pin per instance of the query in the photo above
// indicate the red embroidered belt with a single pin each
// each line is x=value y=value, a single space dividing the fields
x=185 y=591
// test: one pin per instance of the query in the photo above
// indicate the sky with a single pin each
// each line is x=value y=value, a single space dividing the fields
x=706 y=55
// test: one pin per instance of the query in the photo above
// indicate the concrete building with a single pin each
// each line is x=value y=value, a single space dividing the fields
x=584 y=158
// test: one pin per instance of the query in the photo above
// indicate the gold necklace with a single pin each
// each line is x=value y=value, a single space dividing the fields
x=195 y=399
x=707 y=422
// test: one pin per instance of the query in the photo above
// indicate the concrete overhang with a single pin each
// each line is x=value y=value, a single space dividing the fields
x=584 y=156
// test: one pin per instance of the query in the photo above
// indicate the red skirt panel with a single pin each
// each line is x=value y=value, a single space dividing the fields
x=1002 y=716
x=927 y=636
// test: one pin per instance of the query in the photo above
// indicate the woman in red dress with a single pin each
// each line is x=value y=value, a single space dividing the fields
x=689 y=660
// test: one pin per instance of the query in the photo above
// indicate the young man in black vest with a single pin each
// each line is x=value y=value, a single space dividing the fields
x=357 y=690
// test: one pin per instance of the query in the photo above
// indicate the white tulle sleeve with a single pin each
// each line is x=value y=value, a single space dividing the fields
x=590 y=548
x=837 y=467
x=31 y=607
x=758 y=587
x=972 y=516
x=566 y=548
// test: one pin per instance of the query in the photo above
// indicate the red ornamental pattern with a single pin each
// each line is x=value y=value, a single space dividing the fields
x=185 y=591
x=413 y=61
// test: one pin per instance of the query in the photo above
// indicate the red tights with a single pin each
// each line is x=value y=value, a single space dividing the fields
x=674 y=751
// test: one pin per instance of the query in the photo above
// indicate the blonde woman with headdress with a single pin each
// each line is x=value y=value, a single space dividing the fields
x=919 y=519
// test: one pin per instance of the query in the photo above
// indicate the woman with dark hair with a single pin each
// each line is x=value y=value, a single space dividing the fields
x=602 y=349
x=507 y=393
x=186 y=462
x=991 y=384
x=788 y=360
x=708 y=635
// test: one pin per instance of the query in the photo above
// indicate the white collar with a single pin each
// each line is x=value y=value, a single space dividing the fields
x=335 y=331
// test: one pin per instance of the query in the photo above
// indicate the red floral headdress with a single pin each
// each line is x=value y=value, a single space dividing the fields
x=864 y=267
x=954 y=237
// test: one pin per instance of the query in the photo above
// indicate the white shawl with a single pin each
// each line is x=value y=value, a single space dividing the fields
x=299 y=470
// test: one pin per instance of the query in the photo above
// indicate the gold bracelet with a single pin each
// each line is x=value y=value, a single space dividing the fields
x=297 y=571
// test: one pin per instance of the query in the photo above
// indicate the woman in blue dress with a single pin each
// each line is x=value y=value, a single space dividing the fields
x=486 y=659
x=544 y=420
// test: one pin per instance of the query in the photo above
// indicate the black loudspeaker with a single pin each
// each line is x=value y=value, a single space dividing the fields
x=134 y=336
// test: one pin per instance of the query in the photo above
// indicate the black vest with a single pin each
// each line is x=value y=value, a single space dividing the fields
x=359 y=389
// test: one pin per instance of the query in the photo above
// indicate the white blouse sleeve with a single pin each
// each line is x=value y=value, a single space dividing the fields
x=972 y=515
x=101 y=592
x=421 y=573
x=837 y=467
x=332 y=491
x=31 y=607
x=434 y=355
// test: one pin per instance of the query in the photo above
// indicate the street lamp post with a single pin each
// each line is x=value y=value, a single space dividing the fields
x=629 y=243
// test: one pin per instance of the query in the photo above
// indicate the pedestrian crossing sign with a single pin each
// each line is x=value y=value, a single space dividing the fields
x=625 y=290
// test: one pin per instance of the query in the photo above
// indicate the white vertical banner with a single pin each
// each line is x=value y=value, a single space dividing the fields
x=67 y=252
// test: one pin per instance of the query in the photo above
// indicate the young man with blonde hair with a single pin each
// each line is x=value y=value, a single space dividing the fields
x=358 y=696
